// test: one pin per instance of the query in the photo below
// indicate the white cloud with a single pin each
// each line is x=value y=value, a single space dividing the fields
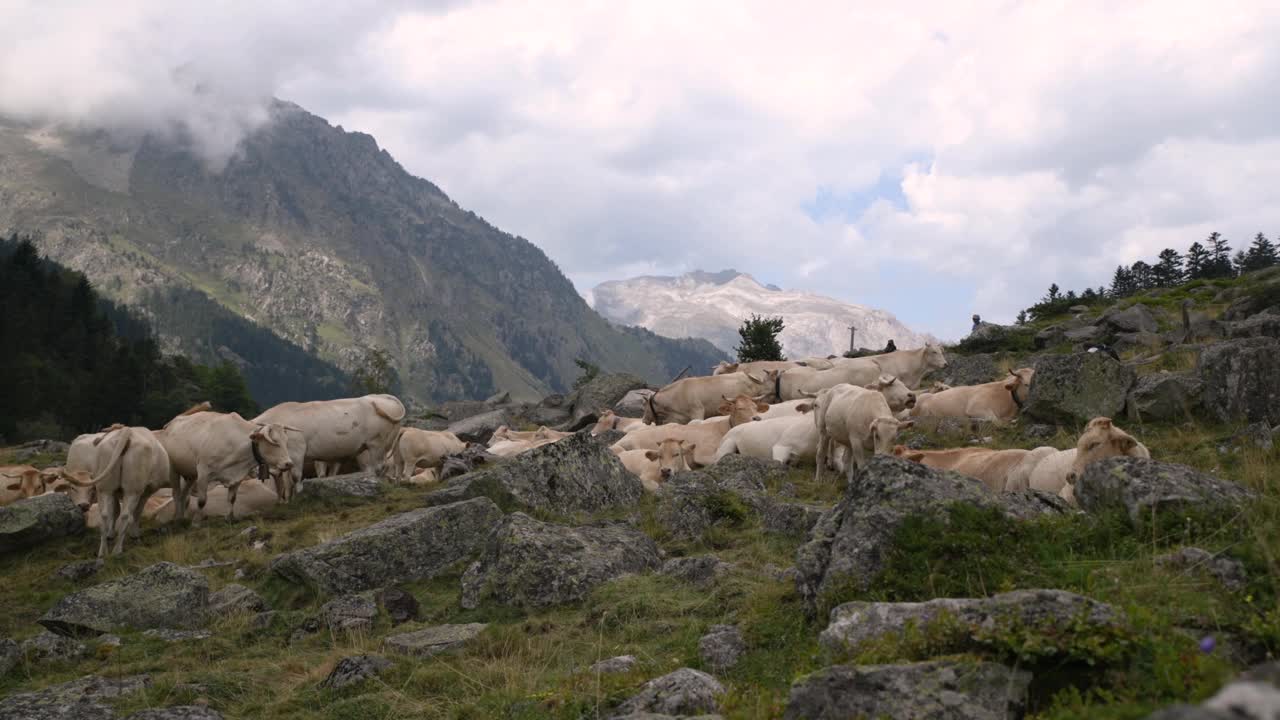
x=1036 y=142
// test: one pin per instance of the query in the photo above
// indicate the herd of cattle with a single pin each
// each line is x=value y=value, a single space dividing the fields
x=833 y=412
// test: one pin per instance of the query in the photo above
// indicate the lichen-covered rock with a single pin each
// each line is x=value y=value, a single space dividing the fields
x=701 y=571
x=81 y=699
x=683 y=692
x=966 y=370
x=475 y=456
x=1227 y=571
x=352 y=670
x=1133 y=319
x=1138 y=486
x=850 y=542
x=602 y=392
x=178 y=712
x=1254 y=695
x=10 y=656
x=235 y=598
x=349 y=613
x=433 y=640
x=1261 y=325
x=1055 y=612
x=479 y=428
x=918 y=691
x=399 y=604
x=533 y=564
x=722 y=647
x=572 y=475
x=174 y=636
x=728 y=493
x=415 y=545
x=791 y=518
x=80 y=570
x=632 y=404
x=619 y=664
x=354 y=485
x=163 y=595
x=1242 y=380
x=1074 y=389
x=38 y=520
x=1164 y=396
x=50 y=647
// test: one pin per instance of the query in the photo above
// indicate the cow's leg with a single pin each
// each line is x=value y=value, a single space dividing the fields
x=135 y=527
x=124 y=522
x=782 y=454
x=202 y=494
x=820 y=457
x=180 y=487
x=106 y=521
x=232 y=489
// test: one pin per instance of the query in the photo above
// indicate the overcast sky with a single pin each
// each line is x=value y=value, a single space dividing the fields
x=932 y=159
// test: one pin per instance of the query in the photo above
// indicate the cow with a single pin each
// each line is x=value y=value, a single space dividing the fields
x=910 y=366
x=413 y=448
x=18 y=482
x=75 y=484
x=504 y=433
x=612 y=421
x=992 y=467
x=787 y=408
x=755 y=367
x=425 y=476
x=1057 y=471
x=698 y=398
x=133 y=465
x=82 y=455
x=656 y=466
x=706 y=435
x=857 y=419
x=511 y=448
x=998 y=401
x=362 y=428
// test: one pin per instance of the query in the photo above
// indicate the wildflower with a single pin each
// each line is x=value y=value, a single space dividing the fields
x=1207 y=644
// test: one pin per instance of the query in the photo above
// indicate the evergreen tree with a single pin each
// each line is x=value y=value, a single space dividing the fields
x=1219 y=257
x=1262 y=253
x=1168 y=272
x=1053 y=294
x=760 y=339
x=1238 y=262
x=376 y=375
x=1143 y=277
x=589 y=372
x=1198 y=260
x=1122 y=284
x=1022 y=317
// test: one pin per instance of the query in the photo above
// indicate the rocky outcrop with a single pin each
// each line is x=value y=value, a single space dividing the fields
x=967 y=370
x=50 y=647
x=349 y=613
x=1242 y=380
x=82 y=699
x=479 y=428
x=1254 y=695
x=728 y=493
x=38 y=520
x=1141 y=487
x=1074 y=389
x=722 y=647
x=790 y=518
x=918 y=691
x=10 y=656
x=234 y=599
x=433 y=640
x=354 y=670
x=533 y=564
x=1230 y=573
x=613 y=665
x=600 y=393
x=572 y=475
x=701 y=571
x=163 y=595
x=632 y=404
x=399 y=604
x=473 y=457
x=354 y=485
x=1133 y=319
x=1261 y=325
x=415 y=545
x=850 y=542
x=683 y=692
x=1164 y=396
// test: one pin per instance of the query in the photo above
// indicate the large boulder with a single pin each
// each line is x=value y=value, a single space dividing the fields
x=1164 y=396
x=1261 y=325
x=727 y=493
x=632 y=404
x=1056 y=613
x=850 y=542
x=1242 y=380
x=944 y=690
x=602 y=392
x=1133 y=319
x=532 y=564
x=572 y=475
x=10 y=656
x=1141 y=488
x=38 y=520
x=1074 y=389
x=356 y=485
x=82 y=699
x=354 y=670
x=1254 y=695
x=410 y=546
x=966 y=370
x=683 y=692
x=433 y=640
x=479 y=428
x=473 y=457
x=722 y=647
x=163 y=595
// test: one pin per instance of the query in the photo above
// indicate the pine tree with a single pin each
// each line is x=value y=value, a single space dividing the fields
x=1022 y=317
x=1143 y=278
x=1238 y=262
x=1168 y=272
x=1053 y=294
x=1220 y=257
x=1198 y=260
x=760 y=339
x=1122 y=283
x=1262 y=253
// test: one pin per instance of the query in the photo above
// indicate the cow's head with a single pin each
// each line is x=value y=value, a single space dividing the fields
x=933 y=357
x=724 y=368
x=1019 y=384
x=27 y=481
x=608 y=421
x=75 y=484
x=741 y=409
x=1101 y=439
x=272 y=443
x=907 y=453
x=882 y=432
x=672 y=456
x=894 y=391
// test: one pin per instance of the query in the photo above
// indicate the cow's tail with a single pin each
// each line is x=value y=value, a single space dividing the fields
x=389 y=415
x=113 y=465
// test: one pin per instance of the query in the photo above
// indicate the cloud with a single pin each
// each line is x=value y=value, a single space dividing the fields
x=932 y=159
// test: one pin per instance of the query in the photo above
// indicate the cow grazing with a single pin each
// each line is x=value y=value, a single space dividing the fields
x=698 y=398
x=706 y=435
x=133 y=466
x=612 y=421
x=857 y=419
x=998 y=401
x=76 y=484
x=413 y=448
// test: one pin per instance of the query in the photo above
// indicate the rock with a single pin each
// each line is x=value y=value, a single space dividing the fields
x=603 y=391
x=179 y=635
x=1058 y=613
x=309 y=626
x=683 y=692
x=1254 y=695
x=572 y=475
x=1050 y=336
x=945 y=690
x=781 y=574
x=551 y=417
x=10 y=656
x=966 y=370
x=75 y=700
x=163 y=595
x=722 y=647
x=464 y=462
x=352 y=670
x=614 y=665
x=38 y=520
x=356 y=485
x=263 y=620
x=554 y=400
x=987 y=330
x=48 y=647
x=113 y=641
x=1259 y=435
x=80 y=570
x=791 y=518
x=632 y=404
x=479 y=428
x=1262 y=325
x=533 y=564
x=415 y=545
x=1125 y=342
x=349 y=613
x=433 y=640
x=1242 y=380
x=727 y=493
x=746 y=475
x=399 y=604
x=1139 y=486
x=1133 y=319
x=178 y=712
x=1164 y=396
x=850 y=542
x=608 y=437
x=501 y=398
x=1225 y=570
x=1074 y=389
x=702 y=571
x=236 y=599
x=1039 y=431
x=1086 y=334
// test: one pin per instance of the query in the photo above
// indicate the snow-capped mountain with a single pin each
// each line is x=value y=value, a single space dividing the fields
x=713 y=306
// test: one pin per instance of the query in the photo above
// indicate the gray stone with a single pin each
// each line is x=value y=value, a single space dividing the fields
x=572 y=475
x=533 y=564
x=702 y=571
x=479 y=428
x=1140 y=487
x=352 y=670
x=966 y=370
x=1227 y=571
x=1050 y=336
x=1133 y=319
x=683 y=692
x=433 y=640
x=781 y=574
x=48 y=647
x=349 y=613
x=1252 y=696
x=10 y=656
x=1039 y=431
x=615 y=665
x=38 y=520
x=632 y=404
x=849 y=544
x=179 y=635
x=31 y=448
x=354 y=485
x=178 y=712
x=415 y=545
x=473 y=457
x=263 y=620
x=791 y=518
x=163 y=595
x=80 y=570
x=501 y=398
x=727 y=493
x=235 y=598
x=1149 y=341
x=1086 y=334
x=1057 y=612
x=81 y=699
x=1262 y=325
x=722 y=647
x=1164 y=396
x=602 y=392
x=943 y=690
x=400 y=605
x=110 y=641
x=1074 y=389
x=1242 y=380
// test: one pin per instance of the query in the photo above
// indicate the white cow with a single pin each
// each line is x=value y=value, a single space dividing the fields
x=133 y=466
x=859 y=420
x=413 y=448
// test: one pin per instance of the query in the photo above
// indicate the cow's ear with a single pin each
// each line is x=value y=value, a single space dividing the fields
x=651 y=455
x=15 y=487
x=762 y=407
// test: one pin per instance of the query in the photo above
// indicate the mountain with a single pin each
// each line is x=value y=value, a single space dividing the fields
x=324 y=239
x=713 y=306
